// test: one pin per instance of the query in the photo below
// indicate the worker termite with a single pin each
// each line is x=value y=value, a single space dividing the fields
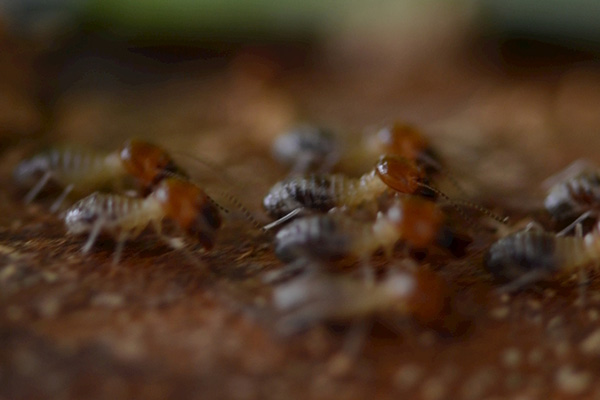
x=528 y=256
x=321 y=238
x=181 y=201
x=576 y=197
x=322 y=192
x=307 y=148
x=86 y=171
x=310 y=300
x=416 y=221
x=310 y=148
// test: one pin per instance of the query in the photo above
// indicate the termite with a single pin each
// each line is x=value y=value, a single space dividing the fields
x=528 y=256
x=323 y=192
x=417 y=222
x=314 y=299
x=307 y=148
x=407 y=141
x=87 y=171
x=577 y=197
x=123 y=217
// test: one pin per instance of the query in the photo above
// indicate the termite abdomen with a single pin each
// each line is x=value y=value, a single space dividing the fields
x=516 y=255
x=316 y=192
x=321 y=237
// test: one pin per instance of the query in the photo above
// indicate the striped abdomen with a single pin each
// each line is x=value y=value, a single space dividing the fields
x=320 y=193
x=323 y=237
x=115 y=213
x=516 y=255
x=574 y=196
x=66 y=166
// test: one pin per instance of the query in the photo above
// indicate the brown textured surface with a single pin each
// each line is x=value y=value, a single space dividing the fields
x=160 y=326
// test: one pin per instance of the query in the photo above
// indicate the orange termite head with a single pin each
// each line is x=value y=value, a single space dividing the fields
x=418 y=220
x=403 y=140
x=401 y=175
x=193 y=210
x=147 y=162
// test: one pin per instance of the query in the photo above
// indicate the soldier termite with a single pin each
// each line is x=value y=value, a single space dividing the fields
x=178 y=200
x=86 y=171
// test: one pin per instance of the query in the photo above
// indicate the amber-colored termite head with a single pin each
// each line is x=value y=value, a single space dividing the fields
x=403 y=140
x=418 y=220
x=192 y=209
x=400 y=174
x=148 y=163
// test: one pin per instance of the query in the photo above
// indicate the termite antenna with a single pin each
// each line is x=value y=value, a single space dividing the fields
x=463 y=203
x=219 y=206
x=241 y=207
x=485 y=211
x=448 y=199
x=213 y=166
x=231 y=199
x=229 y=181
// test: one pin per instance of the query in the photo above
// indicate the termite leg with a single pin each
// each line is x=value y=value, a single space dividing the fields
x=119 y=249
x=287 y=272
x=56 y=205
x=37 y=188
x=534 y=226
x=291 y=215
x=93 y=236
x=583 y=281
x=575 y=224
x=522 y=281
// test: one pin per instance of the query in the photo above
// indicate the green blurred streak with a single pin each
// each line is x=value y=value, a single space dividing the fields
x=225 y=17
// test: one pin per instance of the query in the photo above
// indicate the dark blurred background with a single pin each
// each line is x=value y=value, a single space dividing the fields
x=99 y=71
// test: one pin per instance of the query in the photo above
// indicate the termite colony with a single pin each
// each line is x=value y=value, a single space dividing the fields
x=354 y=244
x=161 y=191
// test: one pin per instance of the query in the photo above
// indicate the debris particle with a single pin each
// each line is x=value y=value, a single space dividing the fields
x=536 y=356
x=591 y=344
x=433 y=389
x=534 y=304
x=572 y=381
x=7 y=272
x=407 y=376
x=505 y=297
x=500 y=313
x=555 y=323
x=562 y=349
x=340 y=365
x=475 y=386
x=49 y=307
x=427 y=339
x=109 y=300
x=511 y=357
